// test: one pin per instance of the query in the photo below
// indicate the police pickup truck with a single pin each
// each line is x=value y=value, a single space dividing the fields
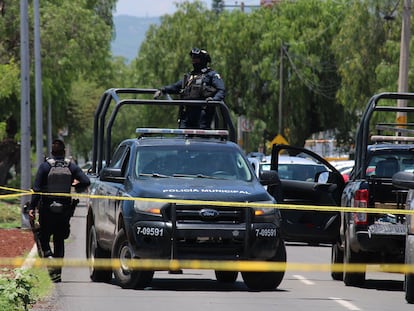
x=375 y=232
x=162 y=166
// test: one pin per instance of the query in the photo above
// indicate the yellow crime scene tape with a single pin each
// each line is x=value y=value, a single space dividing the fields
x=225 y=265
x=219 y=265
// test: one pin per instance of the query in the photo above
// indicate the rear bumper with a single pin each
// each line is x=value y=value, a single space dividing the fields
x=384 y=240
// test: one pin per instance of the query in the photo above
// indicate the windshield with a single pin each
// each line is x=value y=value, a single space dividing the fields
x=198 y=162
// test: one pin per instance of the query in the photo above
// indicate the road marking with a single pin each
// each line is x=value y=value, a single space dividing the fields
x=345 y=304
x=303 y=279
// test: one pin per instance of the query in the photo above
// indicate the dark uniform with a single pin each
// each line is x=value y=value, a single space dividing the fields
x=203 y=83
x=53 y=224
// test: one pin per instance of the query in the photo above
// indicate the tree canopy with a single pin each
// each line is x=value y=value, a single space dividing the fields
x=75 y=45
x=335 y=54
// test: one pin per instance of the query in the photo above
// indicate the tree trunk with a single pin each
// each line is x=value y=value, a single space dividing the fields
x=9 y=156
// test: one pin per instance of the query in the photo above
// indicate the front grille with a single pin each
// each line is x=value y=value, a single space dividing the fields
x=206 y=214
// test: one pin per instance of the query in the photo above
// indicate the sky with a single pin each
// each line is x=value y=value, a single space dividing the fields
x=149 y=8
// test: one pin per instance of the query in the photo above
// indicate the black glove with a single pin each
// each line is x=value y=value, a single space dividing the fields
x=209 y=99
x=158 y=93
x=26 y=207
x=80 y=189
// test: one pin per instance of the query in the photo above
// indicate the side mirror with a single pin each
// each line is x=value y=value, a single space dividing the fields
x=404 y=180
x=269 y=178
x=112 y=175
x=322 y=177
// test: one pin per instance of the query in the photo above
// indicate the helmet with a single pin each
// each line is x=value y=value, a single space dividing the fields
x=58 y=147
x=203 y=54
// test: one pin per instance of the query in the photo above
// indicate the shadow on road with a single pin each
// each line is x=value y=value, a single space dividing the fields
x=193 y=281
x=385 y=285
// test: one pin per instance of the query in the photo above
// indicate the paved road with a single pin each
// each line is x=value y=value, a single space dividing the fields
x=198 y=290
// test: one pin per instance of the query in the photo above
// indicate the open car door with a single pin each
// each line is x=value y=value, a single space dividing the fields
x=307 y=179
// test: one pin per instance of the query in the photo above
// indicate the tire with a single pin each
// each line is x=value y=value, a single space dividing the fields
x=226 y=276
x=409 y=287
x=409 y=277
x=351 y=257
x=94 y=251
x=337 y=258
x=125 y=277
x=267 y=280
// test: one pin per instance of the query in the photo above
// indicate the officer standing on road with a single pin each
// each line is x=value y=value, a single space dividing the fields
x=55 y=211
x=202 y=83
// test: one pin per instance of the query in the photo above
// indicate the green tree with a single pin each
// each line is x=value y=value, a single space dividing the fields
x=245 y=49
x=79 y=49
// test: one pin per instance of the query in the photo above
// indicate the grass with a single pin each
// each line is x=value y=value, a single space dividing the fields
x=10 y=214
x=36 y=284
x=43 y=286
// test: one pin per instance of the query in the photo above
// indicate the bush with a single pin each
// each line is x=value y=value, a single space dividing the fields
x=16 y=293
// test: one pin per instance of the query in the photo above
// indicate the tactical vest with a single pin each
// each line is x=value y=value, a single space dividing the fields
x=59 y=180
x=195 y=87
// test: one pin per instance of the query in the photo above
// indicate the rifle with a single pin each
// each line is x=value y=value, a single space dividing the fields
x=34 y=225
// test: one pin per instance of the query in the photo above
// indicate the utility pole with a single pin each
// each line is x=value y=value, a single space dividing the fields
x=404 y=59
x=38 y=85
x=282 y=54
x=25 y=167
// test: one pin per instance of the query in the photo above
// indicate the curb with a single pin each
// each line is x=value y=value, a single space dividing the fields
x=28 y=263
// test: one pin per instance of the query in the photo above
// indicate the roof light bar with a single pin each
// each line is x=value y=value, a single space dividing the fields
x=377 y=138
x=182 y=131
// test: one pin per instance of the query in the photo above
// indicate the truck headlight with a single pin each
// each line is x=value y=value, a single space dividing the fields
x=265 y=210
x=148 y=207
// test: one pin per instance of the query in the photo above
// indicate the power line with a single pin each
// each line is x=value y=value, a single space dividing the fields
x=242 y=6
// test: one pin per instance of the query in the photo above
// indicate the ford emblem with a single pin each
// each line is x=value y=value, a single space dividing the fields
x=209 y=213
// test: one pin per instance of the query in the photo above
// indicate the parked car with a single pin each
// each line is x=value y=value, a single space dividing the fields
x=306 y=179
x=344 y=167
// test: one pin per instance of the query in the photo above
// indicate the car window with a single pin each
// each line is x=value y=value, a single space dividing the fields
x=386 y=165
x=304 y=172
x=296 y=171
x=178 y=161
x=116 y=161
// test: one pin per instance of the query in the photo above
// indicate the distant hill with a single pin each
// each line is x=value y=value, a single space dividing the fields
x=130 y=32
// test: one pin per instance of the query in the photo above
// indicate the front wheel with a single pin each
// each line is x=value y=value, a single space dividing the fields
x=267 y=280
x=337 y=258
x=94 y=251
x=124 y=275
